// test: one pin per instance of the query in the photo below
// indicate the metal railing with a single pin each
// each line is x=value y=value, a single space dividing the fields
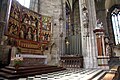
x=71 y=62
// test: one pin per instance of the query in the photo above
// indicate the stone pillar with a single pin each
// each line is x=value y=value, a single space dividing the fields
x=63 y=25
x=5 y=6
x=91 y=39
x=84 y=48
x=89 y=48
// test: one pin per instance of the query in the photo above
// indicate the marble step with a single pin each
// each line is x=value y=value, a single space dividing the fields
x=90 y=76
x=11 y=72
x=98 y=77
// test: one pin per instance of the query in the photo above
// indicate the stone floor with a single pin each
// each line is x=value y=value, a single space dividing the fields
x=69 y=74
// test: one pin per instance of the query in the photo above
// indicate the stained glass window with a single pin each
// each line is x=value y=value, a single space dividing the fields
x=25 y=3
x=116 y=25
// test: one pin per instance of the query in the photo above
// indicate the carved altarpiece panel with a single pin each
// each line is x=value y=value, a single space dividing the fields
x=27 y=29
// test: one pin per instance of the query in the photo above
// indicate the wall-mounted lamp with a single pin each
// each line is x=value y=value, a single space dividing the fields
x=67 y=41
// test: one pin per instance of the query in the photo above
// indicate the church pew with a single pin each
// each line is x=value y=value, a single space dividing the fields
x=112 y=74
x=108 y=76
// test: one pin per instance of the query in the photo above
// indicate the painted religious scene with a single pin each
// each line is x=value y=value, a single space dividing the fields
x=26 y=25
x=28 y=33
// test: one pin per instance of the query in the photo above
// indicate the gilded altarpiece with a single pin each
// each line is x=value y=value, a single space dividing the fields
x=28 y=30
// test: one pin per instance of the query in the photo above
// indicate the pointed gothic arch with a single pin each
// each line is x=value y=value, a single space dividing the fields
x=73 y=27
x=72 y=17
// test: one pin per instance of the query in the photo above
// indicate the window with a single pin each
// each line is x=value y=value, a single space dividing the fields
x=25 y=3
x=115 y=16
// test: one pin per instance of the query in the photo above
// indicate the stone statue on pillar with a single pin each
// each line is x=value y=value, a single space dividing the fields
x=99 y=24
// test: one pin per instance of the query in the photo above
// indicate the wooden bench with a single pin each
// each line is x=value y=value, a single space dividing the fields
x=108 y=76
x=113 y=74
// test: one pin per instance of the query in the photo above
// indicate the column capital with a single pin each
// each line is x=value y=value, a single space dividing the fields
x=98 y=30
